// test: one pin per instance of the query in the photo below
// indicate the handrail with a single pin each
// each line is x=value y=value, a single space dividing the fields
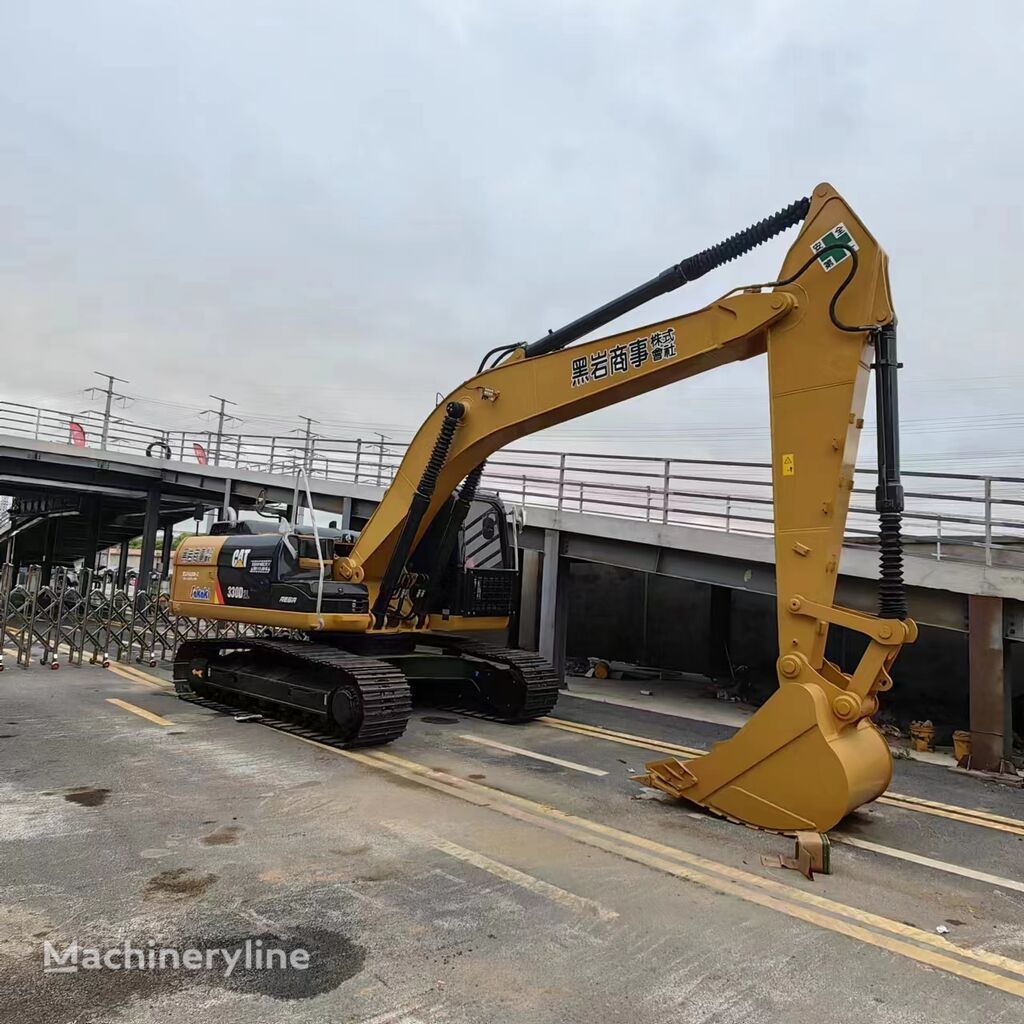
x=715 y=494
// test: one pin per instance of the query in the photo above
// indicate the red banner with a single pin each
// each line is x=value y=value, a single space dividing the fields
x=77 y=434
x=200 y=453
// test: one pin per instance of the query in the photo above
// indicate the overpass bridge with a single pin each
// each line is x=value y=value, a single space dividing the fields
x=700 y=520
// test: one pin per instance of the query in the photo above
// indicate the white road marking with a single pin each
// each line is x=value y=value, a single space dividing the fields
x=509 y=874
x=531 y=753
x=929 y=862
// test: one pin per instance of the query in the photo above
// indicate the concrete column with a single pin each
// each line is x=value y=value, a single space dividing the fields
x=149 y=528
x=93 y=510
x=529 y=582
x=554 y=610
x=346 y=513
x=49 y=545
x=165 y=555
x=226 y=504
x=990 y=688
x=719 y=620
x=122 y=565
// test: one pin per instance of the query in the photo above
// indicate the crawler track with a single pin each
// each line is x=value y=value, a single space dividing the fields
x=377 y=690
x=535 y=683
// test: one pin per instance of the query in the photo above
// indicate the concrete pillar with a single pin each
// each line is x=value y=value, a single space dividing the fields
x=149 y=528
x=719 y=621
x=554 y=604
x=165 y=554
x=93 y=510
x=346 y=513
x=49 y=545
x=990 y=689
x=122 y=565
x=529 y=582
x=226 y=503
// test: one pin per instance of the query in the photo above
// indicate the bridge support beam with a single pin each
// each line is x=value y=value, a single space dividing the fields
x=165 y=554
x=719 y=622
x=93 y=509
x=529 y=585
x=149 y=528
x=554 y=602
x=49 y=545
x=122 y=565
x=990 y=687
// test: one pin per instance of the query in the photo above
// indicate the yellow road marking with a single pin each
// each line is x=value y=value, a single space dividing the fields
x=974 y=812
x=737 y=875
x=510 y=874
x=141 y=712
x=621 y=737
x=961 y=814
x=968 y=815
x=120 y=670
x=531 y=753
x=929 y=862
x=732 y=881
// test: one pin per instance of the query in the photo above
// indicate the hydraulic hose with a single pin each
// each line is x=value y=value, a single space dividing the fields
x=674 y=277
x=417 y=509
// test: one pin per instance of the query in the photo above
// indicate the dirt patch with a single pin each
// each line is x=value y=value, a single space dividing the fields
x=439 y=720
x=178 y=884
x=87 y=796
x=477 y=777
x=226 y=835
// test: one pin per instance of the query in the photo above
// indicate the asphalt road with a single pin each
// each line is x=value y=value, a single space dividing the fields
x=447 y=879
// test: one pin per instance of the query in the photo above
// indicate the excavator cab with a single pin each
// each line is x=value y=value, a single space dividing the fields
x=480 y=578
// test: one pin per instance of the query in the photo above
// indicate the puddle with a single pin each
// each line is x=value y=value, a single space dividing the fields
x=439 y=720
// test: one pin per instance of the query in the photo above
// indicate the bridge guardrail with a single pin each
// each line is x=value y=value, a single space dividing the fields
x=956 y=515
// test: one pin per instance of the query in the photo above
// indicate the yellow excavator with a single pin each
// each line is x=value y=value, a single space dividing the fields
x=397 y=611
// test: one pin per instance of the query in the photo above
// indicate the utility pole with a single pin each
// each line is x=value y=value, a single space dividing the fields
x=306 y=464
x=222 y=418
x=307 y=451
x=111 y=396
x=380 y=456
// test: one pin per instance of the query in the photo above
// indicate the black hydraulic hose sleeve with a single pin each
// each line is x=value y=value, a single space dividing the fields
x=892 y=593
x=674 y=277
x=417 y=509
x=467 y=492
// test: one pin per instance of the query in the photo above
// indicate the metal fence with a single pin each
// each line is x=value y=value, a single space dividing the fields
x=950 y=515
x=78 y=617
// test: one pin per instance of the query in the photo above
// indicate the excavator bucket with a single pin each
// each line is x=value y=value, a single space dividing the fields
x=793 y=767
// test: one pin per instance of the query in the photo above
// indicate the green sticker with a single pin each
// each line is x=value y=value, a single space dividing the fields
x=832 y=257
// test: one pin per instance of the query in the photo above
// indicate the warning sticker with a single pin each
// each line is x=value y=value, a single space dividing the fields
x=832 y=257
x=788 y=465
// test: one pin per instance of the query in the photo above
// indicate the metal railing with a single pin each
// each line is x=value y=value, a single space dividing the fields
x=949 y=515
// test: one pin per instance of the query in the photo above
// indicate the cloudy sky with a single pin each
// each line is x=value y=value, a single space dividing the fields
x=333 y=208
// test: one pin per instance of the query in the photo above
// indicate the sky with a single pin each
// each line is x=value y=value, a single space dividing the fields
x=333 y=209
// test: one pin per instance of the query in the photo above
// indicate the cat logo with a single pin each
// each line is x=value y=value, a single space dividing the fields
x=240 y=558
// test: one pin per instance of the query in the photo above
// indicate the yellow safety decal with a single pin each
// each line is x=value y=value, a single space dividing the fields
x=789 y=465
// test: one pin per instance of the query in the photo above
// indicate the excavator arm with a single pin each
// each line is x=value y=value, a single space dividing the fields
x=811 y=753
